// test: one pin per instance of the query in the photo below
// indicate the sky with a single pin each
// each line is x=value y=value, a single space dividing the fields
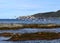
x=10 y=9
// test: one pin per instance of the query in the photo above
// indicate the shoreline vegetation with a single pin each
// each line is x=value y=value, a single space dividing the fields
x=21 y=26
x=31 y=36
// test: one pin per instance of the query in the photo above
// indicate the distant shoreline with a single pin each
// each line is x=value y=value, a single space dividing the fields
x=42 y=15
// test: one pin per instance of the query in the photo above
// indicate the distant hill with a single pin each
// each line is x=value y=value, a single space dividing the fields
x=48 y=14
x=42 y=15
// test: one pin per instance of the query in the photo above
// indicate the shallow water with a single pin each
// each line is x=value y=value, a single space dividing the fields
x=4 y=38
x=30 y=30
x=33 y=41
x=26 y=30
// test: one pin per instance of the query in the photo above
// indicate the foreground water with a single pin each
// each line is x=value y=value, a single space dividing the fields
x=30 y=30
x=33 y=41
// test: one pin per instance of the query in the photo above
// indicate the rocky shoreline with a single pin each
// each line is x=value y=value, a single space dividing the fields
x=6 y=34
x=29 y=36
x=21 y=26
x=32 y=36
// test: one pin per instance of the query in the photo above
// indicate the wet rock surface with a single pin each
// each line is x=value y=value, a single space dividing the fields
x=21 y=26
x=35 y=36
x=6 y=34
x=31 y=36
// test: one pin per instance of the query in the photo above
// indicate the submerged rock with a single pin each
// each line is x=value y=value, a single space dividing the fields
x=35 y=36
x=6 y=34
x=15 y=37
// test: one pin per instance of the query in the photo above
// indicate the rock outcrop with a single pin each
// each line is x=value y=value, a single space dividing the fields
x=6 y=34
x=35 y=36
x=22 y=26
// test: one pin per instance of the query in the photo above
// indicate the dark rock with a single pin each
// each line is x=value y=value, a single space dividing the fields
x=36 y=36
x=6 y=34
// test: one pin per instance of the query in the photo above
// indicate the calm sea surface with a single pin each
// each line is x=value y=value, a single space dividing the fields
x=30 y=30
x=28 y=21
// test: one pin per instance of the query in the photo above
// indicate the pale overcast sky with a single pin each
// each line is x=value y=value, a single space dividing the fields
x=15 y=8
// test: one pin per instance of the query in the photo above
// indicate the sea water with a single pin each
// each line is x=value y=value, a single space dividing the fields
x=31 y=30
